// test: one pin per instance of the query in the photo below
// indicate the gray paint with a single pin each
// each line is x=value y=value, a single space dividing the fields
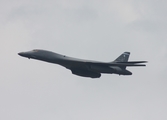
x=85 y=68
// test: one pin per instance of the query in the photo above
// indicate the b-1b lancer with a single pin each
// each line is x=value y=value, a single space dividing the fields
x=85 y=68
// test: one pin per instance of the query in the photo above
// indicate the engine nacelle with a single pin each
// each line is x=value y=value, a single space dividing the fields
x=85 y=73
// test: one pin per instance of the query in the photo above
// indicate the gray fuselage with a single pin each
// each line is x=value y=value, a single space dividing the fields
x=85 y=68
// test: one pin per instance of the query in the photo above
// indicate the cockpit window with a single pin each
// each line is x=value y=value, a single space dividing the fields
x=35 y=50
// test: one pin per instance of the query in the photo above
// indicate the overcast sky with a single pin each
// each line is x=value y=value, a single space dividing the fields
x=88 y=29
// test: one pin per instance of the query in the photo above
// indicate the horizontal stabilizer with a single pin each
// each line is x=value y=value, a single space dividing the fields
x=131 y=65
x=115 y=64
x=133 y=62
x=126 y=64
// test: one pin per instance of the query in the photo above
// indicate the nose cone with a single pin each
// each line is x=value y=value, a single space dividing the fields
x=21 y=54
x=24 y=54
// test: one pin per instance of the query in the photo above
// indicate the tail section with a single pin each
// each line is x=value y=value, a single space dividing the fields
x=122 y=62
x=123 y=57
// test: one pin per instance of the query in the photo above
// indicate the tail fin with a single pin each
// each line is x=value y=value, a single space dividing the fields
x=123 y=57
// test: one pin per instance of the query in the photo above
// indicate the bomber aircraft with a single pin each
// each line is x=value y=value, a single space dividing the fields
x=85 y=68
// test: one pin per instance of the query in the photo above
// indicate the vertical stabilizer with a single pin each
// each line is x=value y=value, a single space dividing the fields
x=123 y=57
